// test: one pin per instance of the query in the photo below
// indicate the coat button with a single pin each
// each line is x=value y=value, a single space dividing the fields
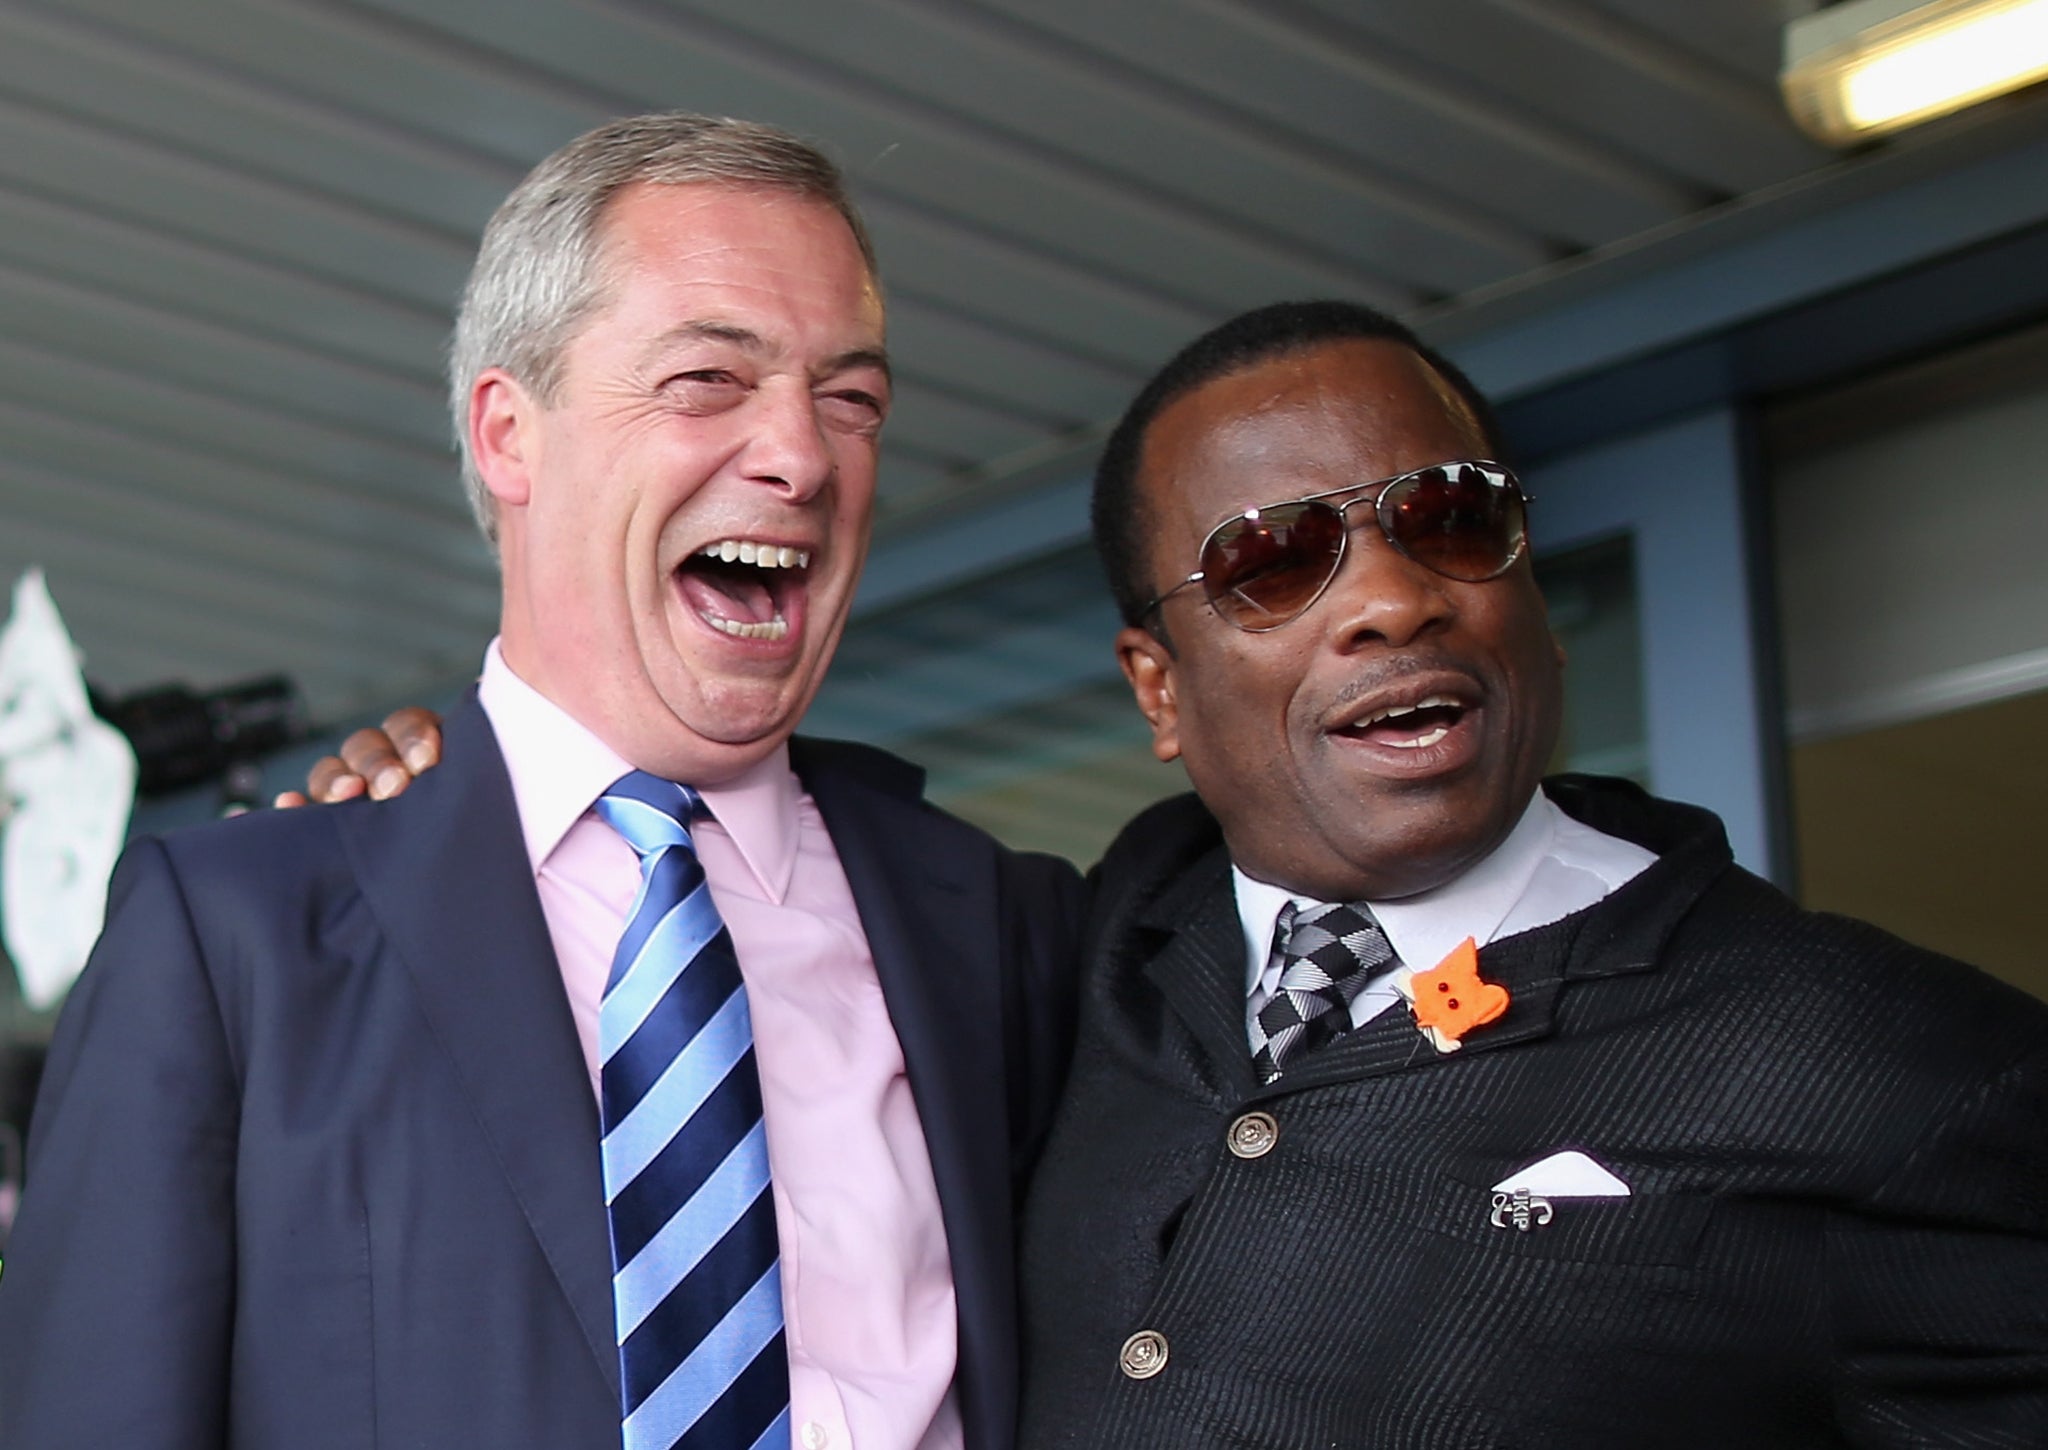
x=1253 y=1135
x=1143 y=1354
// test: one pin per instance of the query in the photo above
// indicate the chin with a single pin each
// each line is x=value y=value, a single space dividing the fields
x=742 y=712
x=1400 y=859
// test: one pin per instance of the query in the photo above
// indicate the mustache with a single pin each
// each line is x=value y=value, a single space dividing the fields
x=1395 y=669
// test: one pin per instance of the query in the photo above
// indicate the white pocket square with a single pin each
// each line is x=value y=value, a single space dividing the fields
x=1570 y=1174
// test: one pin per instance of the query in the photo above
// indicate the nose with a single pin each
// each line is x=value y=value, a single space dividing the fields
x=1380 y=595
x=786 y=448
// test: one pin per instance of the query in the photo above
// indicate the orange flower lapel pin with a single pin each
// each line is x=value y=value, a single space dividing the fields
x=1450 y=999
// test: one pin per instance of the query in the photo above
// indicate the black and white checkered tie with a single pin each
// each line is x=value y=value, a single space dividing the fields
x=1327 y=954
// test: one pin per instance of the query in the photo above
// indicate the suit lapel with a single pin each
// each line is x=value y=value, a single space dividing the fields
x=927 y=905
x=1198 y=965
x=1391 y=1042
x=445 y=868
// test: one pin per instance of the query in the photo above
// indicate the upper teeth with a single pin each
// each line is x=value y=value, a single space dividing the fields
x=1433 y=702
x=764 y=556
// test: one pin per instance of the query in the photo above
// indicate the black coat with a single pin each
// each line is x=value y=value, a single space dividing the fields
x=316 y=1159
x=1837 y=1145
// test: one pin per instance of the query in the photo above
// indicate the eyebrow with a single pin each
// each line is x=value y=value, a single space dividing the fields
x=859 y=357
x=750 y=341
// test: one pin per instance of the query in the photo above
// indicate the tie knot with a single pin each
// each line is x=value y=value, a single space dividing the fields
x=1339 y=943
x=1327 y=955
x=651 y=813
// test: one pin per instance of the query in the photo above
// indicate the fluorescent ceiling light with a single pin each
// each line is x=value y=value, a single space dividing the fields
x=1862 y=68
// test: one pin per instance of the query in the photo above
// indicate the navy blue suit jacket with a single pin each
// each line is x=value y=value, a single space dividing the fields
x=315 y=1161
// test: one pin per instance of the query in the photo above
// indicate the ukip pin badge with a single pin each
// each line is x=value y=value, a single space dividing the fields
x=1520 y=1210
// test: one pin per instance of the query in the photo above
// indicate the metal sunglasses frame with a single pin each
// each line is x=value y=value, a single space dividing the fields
x=1499 y=475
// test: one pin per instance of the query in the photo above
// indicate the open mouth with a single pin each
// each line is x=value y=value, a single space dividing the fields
x=744 y=588
x=1409 y=727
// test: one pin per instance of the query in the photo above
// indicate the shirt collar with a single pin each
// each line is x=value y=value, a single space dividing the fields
x=1424 y=928
x=559 y=768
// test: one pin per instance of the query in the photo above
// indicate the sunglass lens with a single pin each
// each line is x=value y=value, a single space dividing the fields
x=1260 y=571
x=1461 y=521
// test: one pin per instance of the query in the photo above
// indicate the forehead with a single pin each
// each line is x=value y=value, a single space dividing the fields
x=761 y=255
x=1307 y=421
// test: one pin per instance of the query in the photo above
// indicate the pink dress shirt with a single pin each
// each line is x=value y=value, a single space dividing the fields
x=867 y=1286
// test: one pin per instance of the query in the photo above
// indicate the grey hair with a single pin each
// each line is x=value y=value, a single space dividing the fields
x=539 y=271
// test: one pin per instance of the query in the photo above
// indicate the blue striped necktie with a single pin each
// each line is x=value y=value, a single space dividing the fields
x=695 y=1282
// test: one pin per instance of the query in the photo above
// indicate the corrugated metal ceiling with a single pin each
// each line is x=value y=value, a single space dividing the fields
x=231 y=232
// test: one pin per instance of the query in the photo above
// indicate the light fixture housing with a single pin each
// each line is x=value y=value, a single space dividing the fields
x=1866 y=67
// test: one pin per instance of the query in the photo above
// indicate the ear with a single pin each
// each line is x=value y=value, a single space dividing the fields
x=1148 y=665
x=1557 y=644
x=501 y=435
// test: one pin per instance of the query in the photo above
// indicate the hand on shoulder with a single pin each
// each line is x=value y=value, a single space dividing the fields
x=379 y=760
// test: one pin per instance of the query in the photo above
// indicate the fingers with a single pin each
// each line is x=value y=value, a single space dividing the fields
x=288 y=800
x=416 y=735
x=377 y=760
x=332 y=780
x=372 y=756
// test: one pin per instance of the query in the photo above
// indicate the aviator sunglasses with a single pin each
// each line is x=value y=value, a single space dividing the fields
x=1266 y=566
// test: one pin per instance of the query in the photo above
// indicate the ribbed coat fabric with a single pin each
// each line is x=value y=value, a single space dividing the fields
x=1837 y=1145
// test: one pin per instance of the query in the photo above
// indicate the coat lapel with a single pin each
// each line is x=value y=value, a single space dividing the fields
x=1197 y=962
x=927 y=902
x=1199 y=966
x=445 y=868
x=1530 y=966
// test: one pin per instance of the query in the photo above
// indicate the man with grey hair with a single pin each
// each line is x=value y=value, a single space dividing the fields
x=644 y=1076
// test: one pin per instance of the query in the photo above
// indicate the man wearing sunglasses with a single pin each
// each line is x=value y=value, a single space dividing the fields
x=1666 y=1161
